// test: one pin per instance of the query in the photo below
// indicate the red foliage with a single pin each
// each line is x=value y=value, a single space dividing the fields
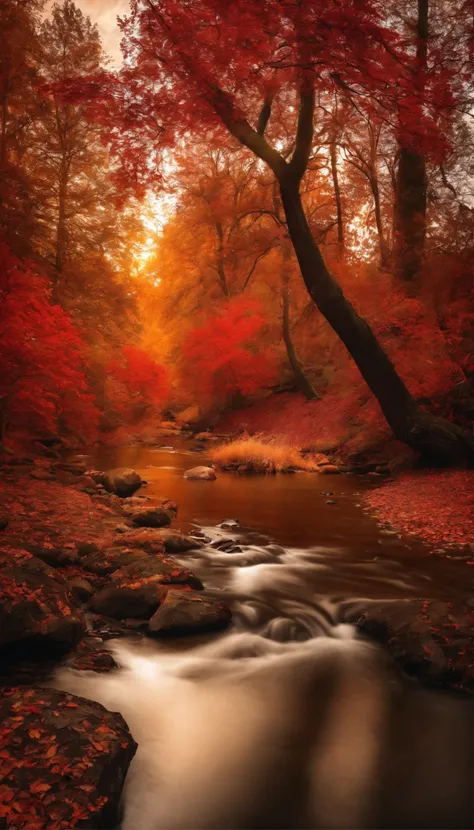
x=42 y=383
x=137 y=381
x=437 y=506
x=224 y=356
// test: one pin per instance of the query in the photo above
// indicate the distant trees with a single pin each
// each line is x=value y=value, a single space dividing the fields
x=135 y=383
x=223 y=356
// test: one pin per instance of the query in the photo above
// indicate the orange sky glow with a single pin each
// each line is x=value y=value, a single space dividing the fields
x=104 y=13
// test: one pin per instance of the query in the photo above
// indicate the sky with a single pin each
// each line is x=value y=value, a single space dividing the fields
x=104 y=13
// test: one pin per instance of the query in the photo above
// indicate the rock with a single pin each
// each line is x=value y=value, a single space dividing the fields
x=145 y=538
x=432 y=640
x=139 y=600
x=328 y=470
x=107 y=561
x=331 y=501
x=149 y=516
x=55 y=557
x=77 y=468
x=64 y=760
x=184 y=612
x=85 y=548
x=36 y=615
x=3 y=522
x=226 y=545
x=81 y=589
x=158 y=568
x=96 y=475
x=229 y=523
x=177 y=542
x=108 y=628
x=87 y=482
x=122 y=481
x=139 y=588
x=201 y=474
x=205 y=436
x=90 y=655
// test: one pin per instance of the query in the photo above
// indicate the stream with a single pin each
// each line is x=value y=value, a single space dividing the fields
x=289 y=719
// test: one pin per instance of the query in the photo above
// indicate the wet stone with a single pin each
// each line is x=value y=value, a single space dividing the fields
x=63 y=763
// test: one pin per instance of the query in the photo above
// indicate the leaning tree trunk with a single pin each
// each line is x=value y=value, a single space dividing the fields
x=302 y=380
x=438 y=441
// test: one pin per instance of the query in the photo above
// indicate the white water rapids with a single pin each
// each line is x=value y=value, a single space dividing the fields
x=289 y=720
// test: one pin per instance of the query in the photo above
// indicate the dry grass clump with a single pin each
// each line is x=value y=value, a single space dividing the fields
x=260 y=456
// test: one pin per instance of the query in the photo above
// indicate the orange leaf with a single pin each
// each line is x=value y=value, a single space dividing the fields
x=39 y=787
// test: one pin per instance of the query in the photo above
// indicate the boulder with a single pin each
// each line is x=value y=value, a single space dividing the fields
x=201 y=474
x=144 y=538
x=138 y=589
x=63 y=763
x=185 y=612
x=147 y=516
x=122 y=481
x=107 y=561
x=329 y=470
x=176 y=542
x=55 y=557
x=138 y=600
x=37 y=618
x=160 y=568
x=432 y=640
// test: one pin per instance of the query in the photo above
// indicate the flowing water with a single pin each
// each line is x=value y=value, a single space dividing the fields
x=288 y=720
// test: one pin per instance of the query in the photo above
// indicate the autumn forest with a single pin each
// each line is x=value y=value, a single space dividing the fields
x=249 y=236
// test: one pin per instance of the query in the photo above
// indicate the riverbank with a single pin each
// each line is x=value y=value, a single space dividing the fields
x=437 y=506
x=69 y=552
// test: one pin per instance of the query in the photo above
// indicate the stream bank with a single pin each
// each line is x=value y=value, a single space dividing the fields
x=296 y=560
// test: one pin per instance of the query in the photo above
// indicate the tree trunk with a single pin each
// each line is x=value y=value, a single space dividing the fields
x=220 y=259
x=411 y=185
x=383 y=247
x=438 y=441
x=302 y=381
x=337 y=194
x=61 y=231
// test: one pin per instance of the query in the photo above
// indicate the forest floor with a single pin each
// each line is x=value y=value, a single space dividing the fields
x=435 y=505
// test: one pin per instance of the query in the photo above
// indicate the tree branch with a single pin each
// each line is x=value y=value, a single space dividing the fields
x=257 y=259
x=304 y=137
x=265 y=114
